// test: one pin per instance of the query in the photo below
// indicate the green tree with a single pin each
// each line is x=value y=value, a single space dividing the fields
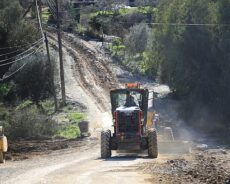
x=137 y=39
x=33 y=81
x=14 y=30
x=195 y=58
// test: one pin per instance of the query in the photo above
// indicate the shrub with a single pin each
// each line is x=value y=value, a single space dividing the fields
x=116 y=24
x=4 y=90
x=7 y=92
x=27 y=121
x=33 y=81
x=4 y=113
x=47 y=106
x=24 y=105
x=137 y=40
x=69 y=132
x=76 y=117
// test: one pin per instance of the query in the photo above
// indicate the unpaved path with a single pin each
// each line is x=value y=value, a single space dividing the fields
x=81 y=165
x=83 y=82
x=88 y=80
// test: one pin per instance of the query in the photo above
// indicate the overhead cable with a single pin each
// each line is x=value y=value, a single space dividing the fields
x=16 y=71
x=8 y=53
x=23 y=57
x=36 y=43
x=177 y=24
x=18 y=46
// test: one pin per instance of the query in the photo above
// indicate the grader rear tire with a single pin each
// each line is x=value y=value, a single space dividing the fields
x=2 y=157
x=152 y=143
x=105 y=144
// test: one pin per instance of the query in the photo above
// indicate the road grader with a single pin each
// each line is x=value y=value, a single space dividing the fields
x=129 y=112
x=3 y=145
x=135 y=128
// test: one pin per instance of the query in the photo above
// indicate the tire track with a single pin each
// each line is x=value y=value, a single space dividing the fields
x=90 y=72
x=103 y=75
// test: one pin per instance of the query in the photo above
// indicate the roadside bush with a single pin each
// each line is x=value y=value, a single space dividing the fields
x=101 y=22
x=134 y=18
x=76 y=117
x=69 y=132
x=4 y=90
x=34 y=80
x=24 y=105
x=7 y=92
x=4 y=113
x=138 y=47
x=116 y=24
x=137 y=40
x=47 y=107
x=27 y=121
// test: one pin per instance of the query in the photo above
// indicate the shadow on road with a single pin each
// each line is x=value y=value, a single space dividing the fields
x=125 y=157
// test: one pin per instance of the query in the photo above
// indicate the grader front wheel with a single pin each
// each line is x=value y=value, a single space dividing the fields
x=152 y=143
x=105 y=144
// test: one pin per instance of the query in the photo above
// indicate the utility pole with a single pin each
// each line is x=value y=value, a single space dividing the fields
x=62 y=75
x=51 y=73
x=40 y=8
x=33 y=9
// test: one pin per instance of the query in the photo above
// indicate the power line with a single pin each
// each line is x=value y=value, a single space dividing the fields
x=177 y=24
x=187 y=24
x=19 y=58
x=37 y=42
x=8 y=53
x=20 y=68
x=4 y=78
x=32 y=46
x=18 y=46
x=13 y=47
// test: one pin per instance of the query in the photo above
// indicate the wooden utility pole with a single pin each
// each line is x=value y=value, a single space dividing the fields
x=40 y=8
x=51 y=73
x=62 y=75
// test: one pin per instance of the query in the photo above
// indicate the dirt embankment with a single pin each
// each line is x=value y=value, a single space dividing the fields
x=89 y=69
x=206 y=167
x=27 y=149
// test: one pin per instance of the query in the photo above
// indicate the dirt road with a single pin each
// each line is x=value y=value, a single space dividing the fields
x=88 y=80
x=79 y=165
x=82 y=165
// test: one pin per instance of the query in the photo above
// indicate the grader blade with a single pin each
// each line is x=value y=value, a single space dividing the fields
x=174 y=147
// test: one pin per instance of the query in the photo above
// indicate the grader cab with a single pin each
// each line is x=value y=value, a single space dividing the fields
x=129 y=112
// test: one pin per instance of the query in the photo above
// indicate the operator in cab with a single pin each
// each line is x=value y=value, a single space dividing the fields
x=130 y=102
